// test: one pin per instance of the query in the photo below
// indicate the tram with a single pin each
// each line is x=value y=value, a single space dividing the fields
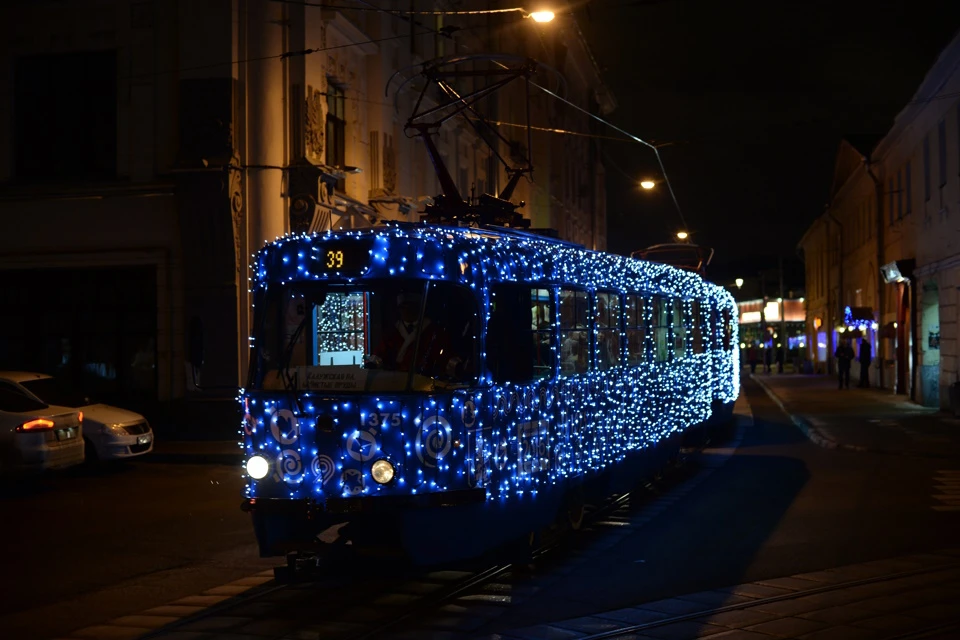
x=531 y=368
x=446 y=387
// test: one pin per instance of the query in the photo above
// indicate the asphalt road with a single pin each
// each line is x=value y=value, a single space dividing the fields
x=89 y=545
x=779 y=506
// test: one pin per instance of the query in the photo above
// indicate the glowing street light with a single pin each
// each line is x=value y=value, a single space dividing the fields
x=682 y=235
x=739 y=282
x=647 y=184
x=541 y=16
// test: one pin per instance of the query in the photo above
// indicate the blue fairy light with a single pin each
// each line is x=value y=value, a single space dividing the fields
x=518 y=440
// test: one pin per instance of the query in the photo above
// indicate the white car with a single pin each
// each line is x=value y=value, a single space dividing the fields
x=35 y=436
x=111 y=433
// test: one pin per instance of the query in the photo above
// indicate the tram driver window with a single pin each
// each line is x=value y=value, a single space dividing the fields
x=608 y=330
x=635 y=320
x=520 y=344
x=661 y=329
x=574 y=332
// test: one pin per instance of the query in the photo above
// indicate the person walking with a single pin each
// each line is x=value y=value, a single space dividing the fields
x=865 y=357
x=844 y=355
x=752 y=357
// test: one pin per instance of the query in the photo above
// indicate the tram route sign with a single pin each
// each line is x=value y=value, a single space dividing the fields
x=316 y=379
x=339 y=257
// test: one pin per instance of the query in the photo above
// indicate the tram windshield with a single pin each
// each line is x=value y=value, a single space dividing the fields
x=371 y=336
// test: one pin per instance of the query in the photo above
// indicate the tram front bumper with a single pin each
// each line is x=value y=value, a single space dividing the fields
x=309 y=509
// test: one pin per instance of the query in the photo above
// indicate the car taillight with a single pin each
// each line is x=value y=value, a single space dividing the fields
x=36 y=425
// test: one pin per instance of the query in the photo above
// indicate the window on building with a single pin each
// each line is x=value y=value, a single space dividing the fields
x=899 y=195
x=635 y=322
x=65 y=116
x=942 y=142
x=890 y=203
x=608 y=330
x=574 y=332
x=438 y=38
x=926 y=168
x=907 y=183
x=336 y=128
x=661 y=329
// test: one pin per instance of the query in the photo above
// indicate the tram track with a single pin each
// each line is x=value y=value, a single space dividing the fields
x=393 y=609
x=703 y=615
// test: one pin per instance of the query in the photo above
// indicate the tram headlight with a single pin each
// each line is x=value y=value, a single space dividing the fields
x=258 y=467
x=382 y=471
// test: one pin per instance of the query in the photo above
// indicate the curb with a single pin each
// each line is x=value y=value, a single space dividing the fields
x=808 y=430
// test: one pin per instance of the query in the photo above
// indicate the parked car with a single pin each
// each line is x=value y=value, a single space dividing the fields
x=35 y=436
x=110 y=433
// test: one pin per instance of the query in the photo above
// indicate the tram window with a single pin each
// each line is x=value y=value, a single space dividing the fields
x=635 y=321
x=661 y=329
x=727 y=331
x=318 y=334
x=679 y=329
x=696 y=331
x=608 y=330
x=520 y=333
x=574 y=332
x=341 y=338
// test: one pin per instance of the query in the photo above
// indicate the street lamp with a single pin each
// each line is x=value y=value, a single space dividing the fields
x=541 y=16
x=739 y=282
x=647 y=184
x=682 y=235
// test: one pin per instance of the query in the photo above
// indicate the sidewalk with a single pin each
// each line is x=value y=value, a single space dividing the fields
x=196 y=452
x=862 y=419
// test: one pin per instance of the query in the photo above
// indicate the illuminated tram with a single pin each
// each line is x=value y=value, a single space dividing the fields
x=448 y=386
x=448 y=389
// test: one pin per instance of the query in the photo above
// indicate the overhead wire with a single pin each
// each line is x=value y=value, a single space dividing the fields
x=637 y=139
x=399 y=12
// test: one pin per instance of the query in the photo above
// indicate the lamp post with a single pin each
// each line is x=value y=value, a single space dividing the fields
x=648 y=184
x=739 y=282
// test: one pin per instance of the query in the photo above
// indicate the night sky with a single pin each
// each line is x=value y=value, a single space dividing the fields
x=753 y=98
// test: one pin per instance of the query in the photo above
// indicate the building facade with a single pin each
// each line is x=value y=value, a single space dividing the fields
x=148 y=148
x=882 y=260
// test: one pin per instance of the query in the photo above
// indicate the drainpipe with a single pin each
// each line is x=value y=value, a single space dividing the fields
x=840 y=305
x=878 y=187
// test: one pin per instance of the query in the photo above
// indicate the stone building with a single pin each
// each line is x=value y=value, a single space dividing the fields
x=148 y=148
x=884 y=257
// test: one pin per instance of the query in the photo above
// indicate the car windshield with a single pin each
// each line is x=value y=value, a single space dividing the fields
x=372 y=336
x=52 y=391
x=17 y=402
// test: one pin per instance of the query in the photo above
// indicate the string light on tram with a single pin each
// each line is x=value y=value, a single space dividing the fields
x=513 y=448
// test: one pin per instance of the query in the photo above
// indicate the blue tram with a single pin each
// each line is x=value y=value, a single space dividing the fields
x=447 y=389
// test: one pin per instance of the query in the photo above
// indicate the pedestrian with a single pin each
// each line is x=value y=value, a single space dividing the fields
x=866 y=356
x=752 y=357
x=779 y=360
x=767 y=357
x=844 y=355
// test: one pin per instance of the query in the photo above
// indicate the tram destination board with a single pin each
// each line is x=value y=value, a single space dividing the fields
x=345 y=256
